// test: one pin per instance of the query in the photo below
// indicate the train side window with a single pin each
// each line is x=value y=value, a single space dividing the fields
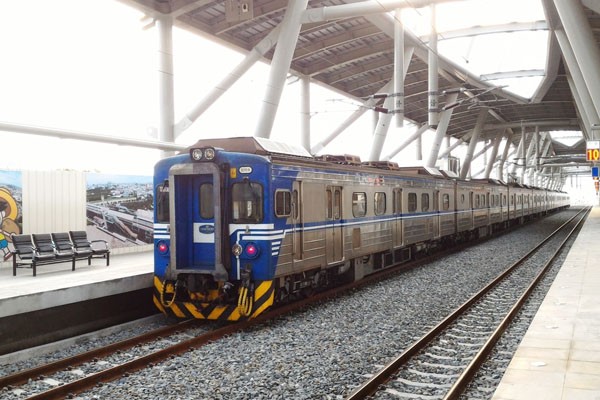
x=207 y=207
x=283 y=203
x=247 y=202
x=359 y=204
x=162 y=203
x=412 y=202
x=446 y=201
x=397 y=201
x=476 y=201
x=425 y=202
x=462 y=198
x=379 y=203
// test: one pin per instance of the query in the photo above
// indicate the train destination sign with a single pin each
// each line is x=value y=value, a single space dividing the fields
x=593 y=150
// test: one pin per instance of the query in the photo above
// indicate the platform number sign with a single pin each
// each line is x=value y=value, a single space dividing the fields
x=593 y=150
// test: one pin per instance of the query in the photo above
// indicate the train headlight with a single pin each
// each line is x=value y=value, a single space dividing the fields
x=209 y=154
x=163 y=247
x=236 y=250
x=196 y=154
x=203 y=154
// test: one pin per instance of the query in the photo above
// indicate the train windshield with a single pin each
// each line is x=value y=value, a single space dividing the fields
x=247 y=202
x=162 y=203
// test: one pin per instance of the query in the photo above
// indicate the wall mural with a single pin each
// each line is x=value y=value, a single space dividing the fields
x=11 y=206
x=119 y=209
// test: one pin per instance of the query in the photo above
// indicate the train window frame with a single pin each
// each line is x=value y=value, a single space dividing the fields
x=424 y=202
x=295 y=204
x=359 y=204
x=256 y=202
x=445 y=201
x=397 y=201
x=205 y=198
x=476 y=201
x=462 y=199
x=283 y=203
x=163 y=207
x=412 y=202
x=379 y=203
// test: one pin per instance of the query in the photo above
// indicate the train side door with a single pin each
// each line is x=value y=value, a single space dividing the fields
x=297 y=224
x=334 y=240
x=436 y=213
x=397 y=224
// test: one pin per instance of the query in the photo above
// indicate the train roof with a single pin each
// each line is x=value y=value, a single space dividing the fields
x=253 y=145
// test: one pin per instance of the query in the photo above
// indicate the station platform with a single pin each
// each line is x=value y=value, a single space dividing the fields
x=559 y=357
x=72 y=301
x=56 y=284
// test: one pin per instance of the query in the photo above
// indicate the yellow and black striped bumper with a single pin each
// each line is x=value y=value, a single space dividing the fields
x=263 y=298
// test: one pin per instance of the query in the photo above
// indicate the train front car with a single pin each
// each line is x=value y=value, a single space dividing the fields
x=211 y=261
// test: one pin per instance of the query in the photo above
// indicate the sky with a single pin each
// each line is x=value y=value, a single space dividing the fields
x=88 y=65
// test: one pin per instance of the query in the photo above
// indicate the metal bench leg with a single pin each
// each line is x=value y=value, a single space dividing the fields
x=107 y=259
x=73 y=269
x=34 y=268
x=14 y=265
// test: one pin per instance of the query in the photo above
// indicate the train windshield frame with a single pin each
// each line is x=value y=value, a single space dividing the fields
x=163 y=209
x=247 y=202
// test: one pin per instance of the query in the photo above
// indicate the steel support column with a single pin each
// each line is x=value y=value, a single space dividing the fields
x=166 y=111
x=442 y=128
x=282 y=58
x=213 y=95
x=398 y=68
x=583 y=43
x=492 y=160
x=473 y=142
x=433 y=116
x=408 y=141
x=504 y=155
x=305 y=111
x=383 y=124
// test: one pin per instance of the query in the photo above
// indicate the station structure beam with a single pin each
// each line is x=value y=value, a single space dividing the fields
x=440 y=132
x=282 y=58
x=383 y=124
x=420 y=130
x=472 y=143
x=166 y=118
x=587 y=111
x=492 y=160
x=585 y=49
x=232 y=77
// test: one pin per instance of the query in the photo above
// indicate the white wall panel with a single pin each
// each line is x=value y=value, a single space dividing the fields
x=53 y=201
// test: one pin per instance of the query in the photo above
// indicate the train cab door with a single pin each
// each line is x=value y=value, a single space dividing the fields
x=297 y=225
x=436 y=213
x=334 y=239
x=397 y=222
x=197 y=227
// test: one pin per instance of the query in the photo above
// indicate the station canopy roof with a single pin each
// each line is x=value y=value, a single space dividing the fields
x=500 y=55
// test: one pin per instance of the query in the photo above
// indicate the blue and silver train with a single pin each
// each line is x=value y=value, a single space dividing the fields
x=243 y=223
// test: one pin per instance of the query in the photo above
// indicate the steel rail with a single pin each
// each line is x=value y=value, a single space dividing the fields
x=134 y=365
x=467 y=375
x=370 y=386
x=115 y=372
x=50 y=368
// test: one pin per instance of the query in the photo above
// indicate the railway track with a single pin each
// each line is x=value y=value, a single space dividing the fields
x=86 y=370
x=442 y=363
x=97 y=366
